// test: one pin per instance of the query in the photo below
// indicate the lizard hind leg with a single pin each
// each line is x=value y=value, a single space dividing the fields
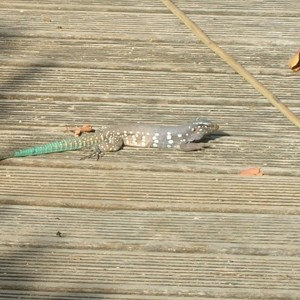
x=111 y=144
x=95 y=152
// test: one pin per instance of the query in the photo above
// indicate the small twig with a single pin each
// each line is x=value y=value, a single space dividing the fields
x=232 y=62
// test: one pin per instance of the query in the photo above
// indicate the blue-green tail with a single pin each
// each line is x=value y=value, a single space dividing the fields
x=69 y=144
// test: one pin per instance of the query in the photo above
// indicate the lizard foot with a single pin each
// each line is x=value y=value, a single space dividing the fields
x=96 y=152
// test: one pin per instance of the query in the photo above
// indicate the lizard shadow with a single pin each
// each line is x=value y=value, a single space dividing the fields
x=216 y=135
x=16 y=74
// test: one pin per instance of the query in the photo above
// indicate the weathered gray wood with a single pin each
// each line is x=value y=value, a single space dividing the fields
x=63 y=295
x=162 y=273
x=161 y=85
x=148 y=190
x=148 y=224
x=152 y=231
x=144 y=25
x=255 y=142
x=143 y=55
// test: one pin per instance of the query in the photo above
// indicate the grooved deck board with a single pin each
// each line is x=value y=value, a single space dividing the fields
x=61 y=295
x=167 y=273
x=152 y=231
x=112 y=189
x=146 y=223
x=135 y=84
x=264 y=152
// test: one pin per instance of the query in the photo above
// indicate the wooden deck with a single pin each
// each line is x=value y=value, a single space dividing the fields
x=142 y=223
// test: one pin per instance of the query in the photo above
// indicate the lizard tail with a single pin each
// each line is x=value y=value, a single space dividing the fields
x=53 y=147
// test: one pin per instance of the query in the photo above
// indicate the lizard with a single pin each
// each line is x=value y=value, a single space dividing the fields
x=183 y=137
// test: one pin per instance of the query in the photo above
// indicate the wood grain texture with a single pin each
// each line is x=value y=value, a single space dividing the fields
x=142 y=223
x=149 y=190
x=161 y=230
x=147 y=273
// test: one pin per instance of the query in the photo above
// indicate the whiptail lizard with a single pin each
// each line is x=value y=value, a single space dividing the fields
x=184 y=137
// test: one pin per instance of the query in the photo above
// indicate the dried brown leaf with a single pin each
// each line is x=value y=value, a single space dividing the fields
x=255 y=171
x=294 y=62
x=79 y=130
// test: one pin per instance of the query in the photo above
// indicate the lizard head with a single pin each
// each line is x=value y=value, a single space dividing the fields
x=192 y=133
x=203 y=126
